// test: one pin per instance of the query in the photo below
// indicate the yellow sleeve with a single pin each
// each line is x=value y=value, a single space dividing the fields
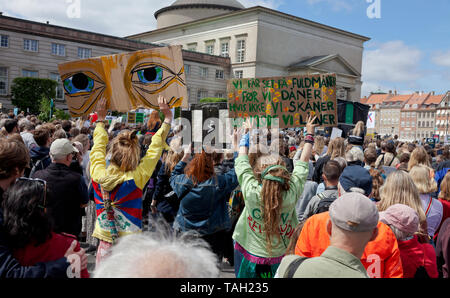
x=98 y=152
x=145 y=169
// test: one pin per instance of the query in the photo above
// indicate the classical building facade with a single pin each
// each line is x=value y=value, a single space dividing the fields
x=261 y=42
x=32 y=49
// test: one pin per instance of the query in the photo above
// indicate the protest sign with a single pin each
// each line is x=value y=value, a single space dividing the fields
x=335 y=133
x=284 y=101
x=139 y=117
x=131 y=117
x=127 y=80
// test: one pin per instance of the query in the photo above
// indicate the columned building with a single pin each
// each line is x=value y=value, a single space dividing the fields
x=261 y=42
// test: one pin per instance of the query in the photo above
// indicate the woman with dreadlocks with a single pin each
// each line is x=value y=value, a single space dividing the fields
x=268 y=220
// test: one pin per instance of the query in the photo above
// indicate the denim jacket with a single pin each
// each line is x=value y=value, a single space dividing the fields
x=203 y=207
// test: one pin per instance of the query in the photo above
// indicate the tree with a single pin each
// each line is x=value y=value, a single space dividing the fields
x=27 y=92
x=212 y=100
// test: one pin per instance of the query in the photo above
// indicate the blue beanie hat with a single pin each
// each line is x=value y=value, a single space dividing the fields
x=356 y=176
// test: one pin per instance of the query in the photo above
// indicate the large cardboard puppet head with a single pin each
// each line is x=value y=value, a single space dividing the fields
x=128 y=81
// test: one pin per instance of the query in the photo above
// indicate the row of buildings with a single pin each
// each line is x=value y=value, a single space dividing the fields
x=221 y=39
x=412 y=116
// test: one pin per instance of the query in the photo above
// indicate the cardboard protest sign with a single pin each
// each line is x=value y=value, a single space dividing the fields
x=127 y=80
x=131 y=116
x=284 y=101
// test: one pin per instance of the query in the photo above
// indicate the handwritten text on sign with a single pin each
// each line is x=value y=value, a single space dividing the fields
x=284 y=101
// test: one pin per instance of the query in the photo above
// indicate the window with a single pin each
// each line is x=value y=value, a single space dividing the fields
x=239 y=74
x=3 y=80
x=219 y=74
x=210 y=49
x=84 y=53
x=219 y=95
x=240 y=51
x=204 y=72
x=4 y=41
x=29 y=73
x=224 y=49
x=59 y=87
x=428 y=124
x=58 y=49
x=192 y=47
x=201 y=94
x=30 y=45
x=187 y=68
x=403 y=123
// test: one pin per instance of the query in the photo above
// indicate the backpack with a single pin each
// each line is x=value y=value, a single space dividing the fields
x=324 y=203
x=37 y=165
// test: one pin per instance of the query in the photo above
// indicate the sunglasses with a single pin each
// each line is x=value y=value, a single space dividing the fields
x=37 y=180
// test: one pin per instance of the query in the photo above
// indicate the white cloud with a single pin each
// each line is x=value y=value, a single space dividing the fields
x=112 y=17
x=441 y=58
x=392 y=61
x=391 y=66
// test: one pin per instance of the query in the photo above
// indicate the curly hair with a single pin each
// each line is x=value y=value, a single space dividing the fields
x=25 y=220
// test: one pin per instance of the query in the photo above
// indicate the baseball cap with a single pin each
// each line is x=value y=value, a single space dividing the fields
x=356 y=176
x=402 y=217
x=354 y=212
x=62 y=147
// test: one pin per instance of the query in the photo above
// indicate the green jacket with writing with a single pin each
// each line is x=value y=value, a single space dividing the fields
x=249 y=231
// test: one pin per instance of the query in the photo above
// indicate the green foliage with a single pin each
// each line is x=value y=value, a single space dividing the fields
x=60 y=114
x=177 y=113
x=27 y=92
x=44 y=111
x=212 y=99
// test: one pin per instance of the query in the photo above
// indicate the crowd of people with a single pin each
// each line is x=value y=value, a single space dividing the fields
x=147 y=205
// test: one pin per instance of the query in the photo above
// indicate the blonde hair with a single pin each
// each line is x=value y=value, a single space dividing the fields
x=319 y=144
x=445 y=188
x=423 y=179
x=359 y=128
x=399 y=188
x=418 y=156
x=125 y=151
x=336 y=148
x=174 y=155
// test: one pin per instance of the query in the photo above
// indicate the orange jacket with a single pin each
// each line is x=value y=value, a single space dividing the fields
x=381 y=257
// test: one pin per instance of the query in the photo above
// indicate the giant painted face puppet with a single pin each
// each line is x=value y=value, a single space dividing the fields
x=128 y=81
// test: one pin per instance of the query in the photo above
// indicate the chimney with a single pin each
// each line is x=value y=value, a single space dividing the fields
x=432 y=93
x=390 y=91
x=395 y=92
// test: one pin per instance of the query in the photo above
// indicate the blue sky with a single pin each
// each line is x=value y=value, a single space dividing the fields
x=409 y=48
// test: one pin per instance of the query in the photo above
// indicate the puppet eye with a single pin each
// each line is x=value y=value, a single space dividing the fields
x=151 y=78
x=150 y=75
x=78 y=83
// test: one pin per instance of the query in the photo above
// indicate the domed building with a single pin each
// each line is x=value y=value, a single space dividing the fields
x=260 y=42
x=183 y=11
